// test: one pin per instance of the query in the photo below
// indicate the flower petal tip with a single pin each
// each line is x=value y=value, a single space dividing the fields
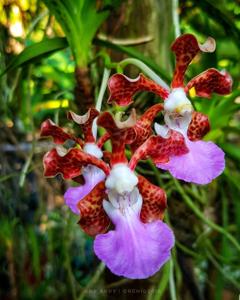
x=125 y=253
x=203 y=163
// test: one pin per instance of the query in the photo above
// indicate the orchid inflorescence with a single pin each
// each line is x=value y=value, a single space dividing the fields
x=113 y=195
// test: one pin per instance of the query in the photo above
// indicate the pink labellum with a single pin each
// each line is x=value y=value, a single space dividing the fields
x=203 y=163
x=133 y=249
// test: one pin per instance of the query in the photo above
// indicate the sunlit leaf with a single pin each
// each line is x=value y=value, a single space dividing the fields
x=36 y=51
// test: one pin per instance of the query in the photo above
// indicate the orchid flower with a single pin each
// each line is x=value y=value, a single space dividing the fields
x=139 y=242
x=90 y=172
x=203 y=161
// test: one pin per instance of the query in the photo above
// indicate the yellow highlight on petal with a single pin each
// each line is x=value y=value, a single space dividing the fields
x=52 y=104
x=223 y=63
x=192 y=92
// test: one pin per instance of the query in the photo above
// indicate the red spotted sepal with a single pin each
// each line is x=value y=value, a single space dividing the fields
x=154 y=200
x=93 y=219
x=70 y=164
x=198 y=127
x=160 y=149
x=186 y=48
x=211 y=81
x=121 y=133
x=143 y=126
x=122 y=89
x=86 y=123
x=50 y=129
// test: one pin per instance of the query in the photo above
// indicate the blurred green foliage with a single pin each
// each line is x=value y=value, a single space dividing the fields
x=43 y=253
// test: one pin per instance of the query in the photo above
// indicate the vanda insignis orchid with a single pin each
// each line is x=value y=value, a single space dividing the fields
x=117 y=206
x=113 y=194
x=203 y=161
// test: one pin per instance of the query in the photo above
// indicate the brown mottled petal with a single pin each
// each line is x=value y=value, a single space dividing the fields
x=49 y=128
x=86 y=123
x=198 y=127
x=122 y=89
x=211 y=81
x=70 y=165
x=160 y=149
x=121 y=133
x=102 y=140
x=93 y=219
x=186 y=48
x=154 y=200
x=143 y=125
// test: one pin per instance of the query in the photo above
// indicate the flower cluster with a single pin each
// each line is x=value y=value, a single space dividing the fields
x=119 y=207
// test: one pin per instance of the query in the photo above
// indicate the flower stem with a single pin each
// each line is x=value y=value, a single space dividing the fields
x=172 y=286
x=175 y=17
x=106 y=74
x=93 y=281
x=201 y=216
x=163 y=283
x=149 y=72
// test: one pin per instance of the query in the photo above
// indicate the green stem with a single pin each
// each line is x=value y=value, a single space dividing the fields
x=68 y=266
x=106 y=74
x=172 y=286
x=222 y=271
x=93 y=281
x=149 y=72
x=175 y=17
x=26 y=166
x=201 y=216
x=186 y=250
x=163 y=283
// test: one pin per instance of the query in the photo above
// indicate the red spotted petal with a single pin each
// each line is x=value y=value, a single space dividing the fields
x=154 y=200
x=198 y=127
x=101 y=141
x=160 y=149
x=186 y=48
x=70 y=165
x=211 y=81
x=93 y=219
x=143 y=125
x=86 y=122
x=122 y=89
x=49 y=128
x=121 y=133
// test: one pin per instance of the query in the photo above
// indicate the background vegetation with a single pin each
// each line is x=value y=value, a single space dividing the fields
x=53 y=55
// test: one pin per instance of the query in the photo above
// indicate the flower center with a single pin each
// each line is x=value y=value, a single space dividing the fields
x=177 y=102
x=93 y=149
x=121 y=180
x=126 y=203
x=178 y=122
x=177 y=113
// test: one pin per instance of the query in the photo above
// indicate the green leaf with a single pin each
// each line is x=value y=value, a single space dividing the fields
x=80 y=21
x=222 y=16
x=232 y=150
x=36 y=52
